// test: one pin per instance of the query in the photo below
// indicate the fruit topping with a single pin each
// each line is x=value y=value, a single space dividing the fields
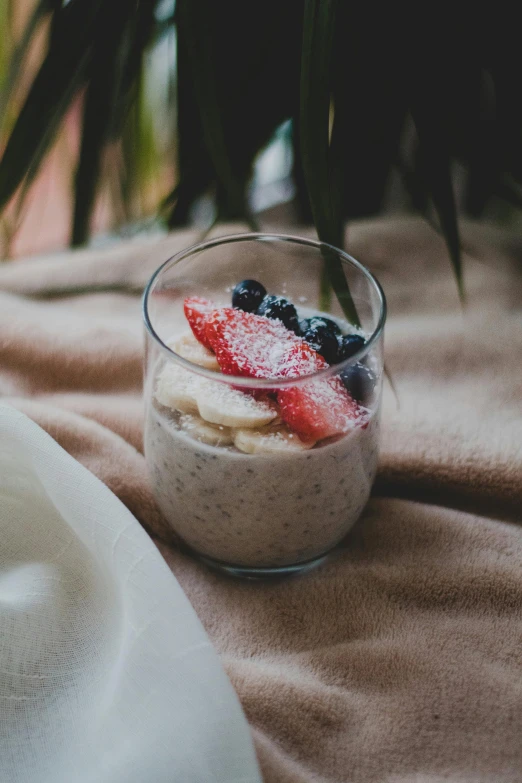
x=248 y=295
x=201 y=430
x=176 y=388
x=197 y=312
x=261 y=346
x=274 y=439
x=360 y=382
x=320 y=321
x=193 y=351
x=216 y=402
x=319 y=409
x=221 y=404
x=349 y=345
x=248 y=344
x=321 y=338
x=277 y=307
x=300 y=359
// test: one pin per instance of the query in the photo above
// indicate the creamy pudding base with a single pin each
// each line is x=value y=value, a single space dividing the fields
x=259 y=510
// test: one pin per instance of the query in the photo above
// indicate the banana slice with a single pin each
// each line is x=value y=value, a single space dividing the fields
x=214 y=435
x=220 y=404
x=216 y=403
x=274 y=439
x=176 y=388
x=187 y=346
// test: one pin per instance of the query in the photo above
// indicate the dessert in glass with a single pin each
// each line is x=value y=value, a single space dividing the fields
x=262 y=409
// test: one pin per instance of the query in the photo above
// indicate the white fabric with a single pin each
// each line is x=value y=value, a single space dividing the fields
x=106 y=674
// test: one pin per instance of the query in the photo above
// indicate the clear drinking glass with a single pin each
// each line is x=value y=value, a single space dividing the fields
x=277 y=510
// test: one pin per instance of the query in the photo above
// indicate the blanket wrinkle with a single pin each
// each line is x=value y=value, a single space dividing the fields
x=400 y=659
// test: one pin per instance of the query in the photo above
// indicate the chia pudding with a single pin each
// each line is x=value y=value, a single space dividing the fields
x=262 y=412
x=259 y=510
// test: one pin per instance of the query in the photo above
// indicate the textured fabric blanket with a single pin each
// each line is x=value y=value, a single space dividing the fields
x=400 y=659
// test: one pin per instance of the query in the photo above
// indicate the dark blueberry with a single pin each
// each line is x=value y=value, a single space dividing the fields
x=359 y=381
x=321 y=339
x=248 y=295
x=281 y=308
x=350 y=344
x=319 y=320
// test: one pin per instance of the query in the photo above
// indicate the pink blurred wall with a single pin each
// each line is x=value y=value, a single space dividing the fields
x=44 y=221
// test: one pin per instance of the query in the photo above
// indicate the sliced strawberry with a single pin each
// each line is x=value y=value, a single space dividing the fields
x=197 y=312
x=248 y=344
x=318 y=409
x=300 y=359
x=259 y=347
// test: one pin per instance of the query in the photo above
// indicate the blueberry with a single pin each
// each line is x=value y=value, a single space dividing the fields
x=349 y=345
x=248 y=295
x=323 y=340
x=359 y=381
x=281 y=308
x=319 y=320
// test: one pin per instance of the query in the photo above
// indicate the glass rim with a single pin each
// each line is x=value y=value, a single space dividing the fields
x=263 y=383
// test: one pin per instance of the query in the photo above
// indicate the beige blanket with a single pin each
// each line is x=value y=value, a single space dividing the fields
x=400 y=659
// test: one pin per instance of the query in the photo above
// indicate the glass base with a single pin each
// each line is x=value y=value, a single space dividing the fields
x=246 y=572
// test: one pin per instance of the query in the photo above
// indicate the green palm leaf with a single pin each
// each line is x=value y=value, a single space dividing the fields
x=18 y=56
x=117 y=51
x=195 y=17
x=59 y=78
x=316 y=80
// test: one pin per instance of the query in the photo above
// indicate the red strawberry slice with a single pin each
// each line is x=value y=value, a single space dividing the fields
x=197 y=312
x=300 y=359
x=248 y=344
x=319 y=409
x=259 y=347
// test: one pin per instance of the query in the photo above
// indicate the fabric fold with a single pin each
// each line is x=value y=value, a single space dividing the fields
x=106 y=673
x=400 y=659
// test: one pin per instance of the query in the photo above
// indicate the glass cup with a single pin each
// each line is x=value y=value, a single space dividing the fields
x=245 y=491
